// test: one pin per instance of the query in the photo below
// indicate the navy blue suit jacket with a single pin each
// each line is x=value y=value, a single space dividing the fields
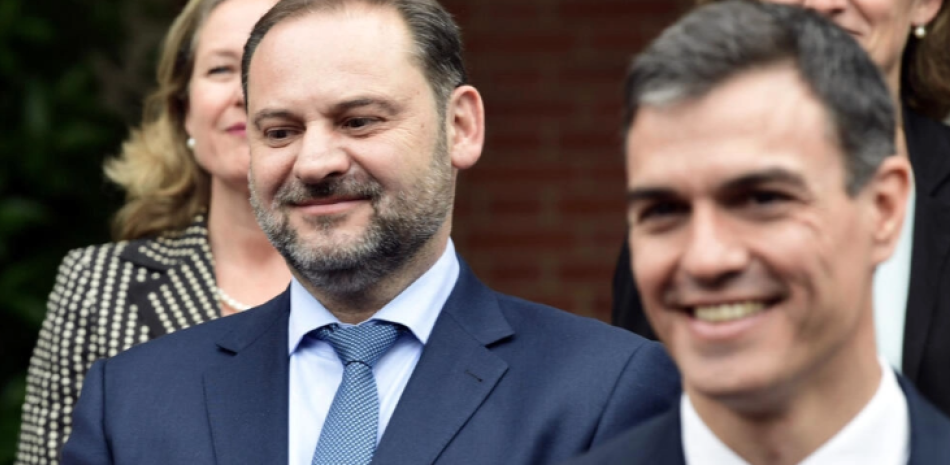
x=659 y=441
x=500 y=381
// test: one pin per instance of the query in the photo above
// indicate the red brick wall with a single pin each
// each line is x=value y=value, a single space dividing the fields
x=542 y=214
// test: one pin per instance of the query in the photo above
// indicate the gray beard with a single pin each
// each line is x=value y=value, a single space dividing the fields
x=391 y=240
x=386 y=246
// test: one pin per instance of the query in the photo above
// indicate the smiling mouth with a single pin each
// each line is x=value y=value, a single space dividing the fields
x=328 y=206
x=723 y=313
x=320 y=201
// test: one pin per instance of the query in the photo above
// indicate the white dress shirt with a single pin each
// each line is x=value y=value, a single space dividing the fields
x=879 y=434
x=891 y=285
x=316 y=371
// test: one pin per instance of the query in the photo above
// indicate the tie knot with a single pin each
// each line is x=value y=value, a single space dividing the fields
x=364 y=343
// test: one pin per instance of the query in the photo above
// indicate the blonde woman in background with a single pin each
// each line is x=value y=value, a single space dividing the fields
x=189 y=248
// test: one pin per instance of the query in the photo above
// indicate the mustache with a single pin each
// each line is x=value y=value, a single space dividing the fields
x=296 y=191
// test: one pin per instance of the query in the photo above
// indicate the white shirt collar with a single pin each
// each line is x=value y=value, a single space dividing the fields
x=417 y=307
x=879 y=433
x=700 y=444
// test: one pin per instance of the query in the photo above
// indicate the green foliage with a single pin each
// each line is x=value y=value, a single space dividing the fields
x=55 y=132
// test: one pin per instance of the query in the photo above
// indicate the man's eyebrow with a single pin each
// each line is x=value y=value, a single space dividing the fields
x=771 y=175
x=642 y=194
x=386 y=105
x=267 y=114
x=745 y=181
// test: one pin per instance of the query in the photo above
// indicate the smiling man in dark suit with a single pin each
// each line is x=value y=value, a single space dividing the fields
x=762 y=195
x=386 y=348
x=912 y=304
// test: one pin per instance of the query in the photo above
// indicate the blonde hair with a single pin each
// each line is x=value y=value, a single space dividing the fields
x=164 y=186
x=925 y=68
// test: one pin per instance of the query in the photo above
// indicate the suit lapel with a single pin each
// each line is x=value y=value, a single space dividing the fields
x=247 y=396
x=668 y=443
x=174 y=270
x=455 y=374
x=658 y=441
x=929 y=151
x=929 y=429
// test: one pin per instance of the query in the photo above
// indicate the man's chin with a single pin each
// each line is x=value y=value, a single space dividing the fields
x=328 y=235
x=747 y=392
x=341 y=274
x=335 y=256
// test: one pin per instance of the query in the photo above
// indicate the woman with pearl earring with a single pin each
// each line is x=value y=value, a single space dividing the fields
x=188 y=247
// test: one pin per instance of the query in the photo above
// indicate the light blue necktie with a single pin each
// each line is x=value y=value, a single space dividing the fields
x=349 y=432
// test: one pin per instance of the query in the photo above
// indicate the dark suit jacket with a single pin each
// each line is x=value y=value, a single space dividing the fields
x=926 y=360
x=500 y=381
x=660 y=442
x=106 y=299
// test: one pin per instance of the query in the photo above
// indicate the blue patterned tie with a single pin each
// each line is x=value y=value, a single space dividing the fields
x=349 y=432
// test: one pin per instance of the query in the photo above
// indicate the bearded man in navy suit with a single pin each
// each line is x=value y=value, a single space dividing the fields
x=762 y=195
x=359 y=120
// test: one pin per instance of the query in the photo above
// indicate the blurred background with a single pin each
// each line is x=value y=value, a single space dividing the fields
x=540 y=216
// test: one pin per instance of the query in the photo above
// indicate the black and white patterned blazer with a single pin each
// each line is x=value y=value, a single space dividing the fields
x=106 y=299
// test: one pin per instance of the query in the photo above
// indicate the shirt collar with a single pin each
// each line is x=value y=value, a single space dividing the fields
x=700 y=444
x=879 y=433
x=417 y=307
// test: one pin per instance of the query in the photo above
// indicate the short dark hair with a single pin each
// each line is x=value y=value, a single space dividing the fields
x=925 y=67
x=721 y=40
x=437 y=39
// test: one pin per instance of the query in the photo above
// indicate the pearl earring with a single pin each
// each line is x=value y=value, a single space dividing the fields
x=920 y=31
x=190 y=143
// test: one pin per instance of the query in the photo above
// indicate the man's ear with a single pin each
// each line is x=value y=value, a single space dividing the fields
x=465 y=118
x=889 y=189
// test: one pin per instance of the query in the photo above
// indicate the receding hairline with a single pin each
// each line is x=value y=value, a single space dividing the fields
x=667 y=99
x=344 y=7
x=670 y=95
x=673 y=94
x=725 y=38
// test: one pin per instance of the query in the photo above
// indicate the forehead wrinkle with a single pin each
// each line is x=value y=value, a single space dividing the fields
x=352 y=57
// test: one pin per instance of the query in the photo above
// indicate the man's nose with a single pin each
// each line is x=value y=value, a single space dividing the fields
x=321 y=157
x=713 y=254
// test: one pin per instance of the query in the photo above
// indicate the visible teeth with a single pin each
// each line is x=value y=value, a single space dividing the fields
x=728 y=312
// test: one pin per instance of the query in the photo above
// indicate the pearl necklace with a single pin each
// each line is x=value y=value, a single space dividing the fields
x=231 y=301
